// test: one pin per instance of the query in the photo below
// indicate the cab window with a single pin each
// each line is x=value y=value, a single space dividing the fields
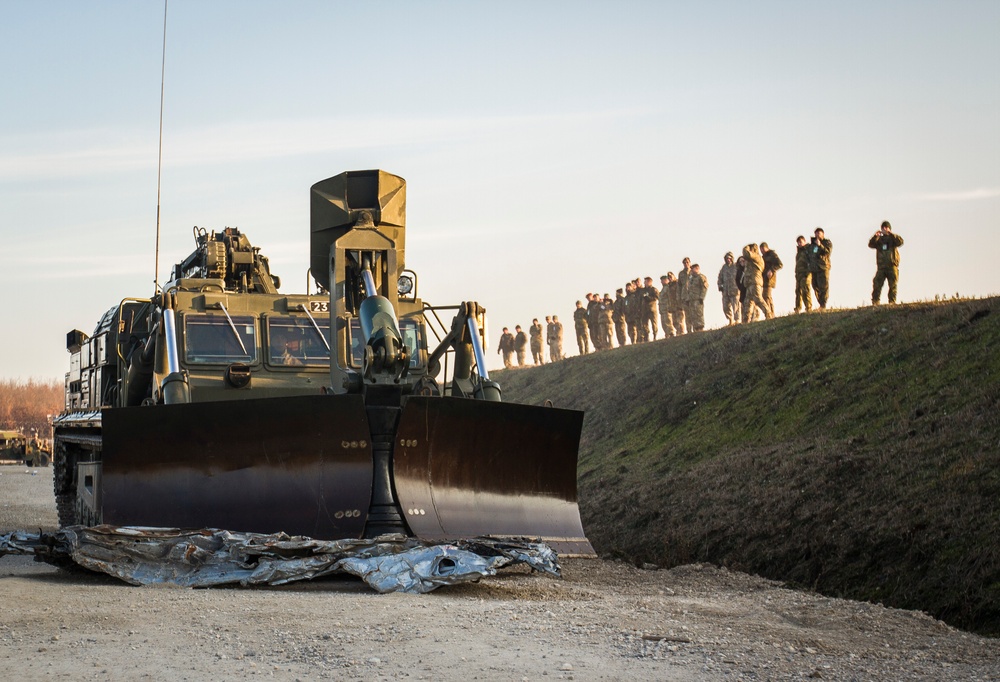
x=294 y=341
x=212 y=339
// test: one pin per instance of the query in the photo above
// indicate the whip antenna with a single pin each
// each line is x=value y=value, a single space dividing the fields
x=159 y=156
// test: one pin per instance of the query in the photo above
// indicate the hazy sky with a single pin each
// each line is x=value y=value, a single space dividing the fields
x=550 y=148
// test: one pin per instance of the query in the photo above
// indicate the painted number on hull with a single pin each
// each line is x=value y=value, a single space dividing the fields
x=319 y=306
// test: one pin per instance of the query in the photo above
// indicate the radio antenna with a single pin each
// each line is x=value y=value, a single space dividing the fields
x=159 y=157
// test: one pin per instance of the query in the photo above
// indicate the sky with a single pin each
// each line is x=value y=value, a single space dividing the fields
x=550 y=148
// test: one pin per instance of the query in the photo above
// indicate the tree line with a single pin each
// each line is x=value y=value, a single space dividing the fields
x=27 y=405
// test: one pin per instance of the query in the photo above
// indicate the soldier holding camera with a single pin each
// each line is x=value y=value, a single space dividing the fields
x=886 y=245
x=820 y=249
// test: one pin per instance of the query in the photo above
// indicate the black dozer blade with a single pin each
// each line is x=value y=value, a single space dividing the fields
x=303 y=466
x=465 y=468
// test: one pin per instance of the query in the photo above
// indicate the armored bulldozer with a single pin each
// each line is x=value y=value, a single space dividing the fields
x=352 y=412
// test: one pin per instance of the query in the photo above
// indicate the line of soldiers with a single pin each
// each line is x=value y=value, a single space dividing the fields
x=746 y=284
x=516 y=344
x=640 y=310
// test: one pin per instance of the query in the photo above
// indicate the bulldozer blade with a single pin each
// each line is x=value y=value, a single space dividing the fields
x=466 y=468
x=300 y=465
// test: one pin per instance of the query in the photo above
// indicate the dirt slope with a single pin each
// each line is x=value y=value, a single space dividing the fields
x=855 y=452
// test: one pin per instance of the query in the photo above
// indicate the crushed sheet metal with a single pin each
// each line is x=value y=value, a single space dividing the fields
x=207 y=558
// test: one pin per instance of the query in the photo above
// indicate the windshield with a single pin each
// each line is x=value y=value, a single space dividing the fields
x=212 y=339
x=294 y=341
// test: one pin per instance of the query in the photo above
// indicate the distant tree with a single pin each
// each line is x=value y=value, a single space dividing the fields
x=27 y=405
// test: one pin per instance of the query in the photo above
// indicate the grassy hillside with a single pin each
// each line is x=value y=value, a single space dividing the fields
x=854 y=452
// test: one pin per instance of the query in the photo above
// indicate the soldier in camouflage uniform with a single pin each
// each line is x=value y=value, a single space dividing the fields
x=535 y=332
x=694 y=296
x=650 y=300
x=604 y=321
x=550 y=337
x=730 y=292
x=580 y=321
x=771 y=266
x=520 y=345
x=886 y=245
x=593 y=323
x=618 y=316
x=666 y=317
x=753 y=280
x=557 y=336
x=675 y=304
x=632 y=312
x=803 y=280
x=506 y=346
x=820 y=249
x=682 y=280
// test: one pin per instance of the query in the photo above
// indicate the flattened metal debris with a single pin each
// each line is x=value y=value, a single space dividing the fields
x=208 y=558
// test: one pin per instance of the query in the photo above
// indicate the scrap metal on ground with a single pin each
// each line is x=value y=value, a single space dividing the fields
x=209 y=557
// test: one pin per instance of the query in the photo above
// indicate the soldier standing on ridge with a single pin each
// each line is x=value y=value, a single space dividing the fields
x=506 y=346
x=886 y=245
x=535 y=332
x=632 y=312
x=666 y=318
x=557 y=336
x=520 y=345
x=753 y=280
x=550 y=337
x=697 y=289
x=593 y=312
x=604 y=321
x=771 y=266
x=682 y=281
x=675 y=303
x=618 y=316
x=580 y=321
x=650 y=299
x=820 y=249
x=730 y=292
x=803 y=283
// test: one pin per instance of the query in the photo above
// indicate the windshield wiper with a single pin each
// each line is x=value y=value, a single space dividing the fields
x=233 y=327
x=322 y=337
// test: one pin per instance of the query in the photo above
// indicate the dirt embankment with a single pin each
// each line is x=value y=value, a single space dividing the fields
x=604 y=620
x=855 y=452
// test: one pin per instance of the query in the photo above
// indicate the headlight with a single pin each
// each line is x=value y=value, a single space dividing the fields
x=404 y=285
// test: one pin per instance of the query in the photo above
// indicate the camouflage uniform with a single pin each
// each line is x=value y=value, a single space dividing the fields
x=803 y=280
x=520 y=346
x=753 y=280
x=819 y=268
x=604 y=322
x=886 y=245
x=593 y=313
x=771 y=266
x=506 y=347
x=666 y=317
x=682 y=280
x=676 y=306
x=730 y=292
x=580 y=320
x=618 y=316
x=632 y=314
x=535 y=332
x=650 y=298
x=550 y=339
x=558 y=336
x=694 y=297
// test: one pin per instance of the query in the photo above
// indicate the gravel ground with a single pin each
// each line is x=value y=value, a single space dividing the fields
x=602 y=621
